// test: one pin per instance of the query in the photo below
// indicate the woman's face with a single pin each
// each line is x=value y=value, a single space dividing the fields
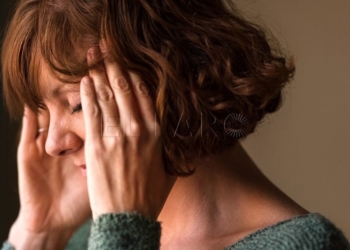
x=66 y=134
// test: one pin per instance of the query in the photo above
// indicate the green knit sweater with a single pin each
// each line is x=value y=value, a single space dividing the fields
x=131 y=231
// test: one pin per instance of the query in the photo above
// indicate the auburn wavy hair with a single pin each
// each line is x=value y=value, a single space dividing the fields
x=212 y=73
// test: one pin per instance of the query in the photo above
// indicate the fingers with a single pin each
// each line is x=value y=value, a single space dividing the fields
x=43 y=118
x=123 y=91
x=104 y=93
x=30 y=134
x=120 y=103
x=145 y=103
x=29 y=126
x=92 y=114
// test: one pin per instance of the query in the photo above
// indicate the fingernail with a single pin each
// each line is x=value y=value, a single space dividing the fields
x=86 y=80
x=94 y=53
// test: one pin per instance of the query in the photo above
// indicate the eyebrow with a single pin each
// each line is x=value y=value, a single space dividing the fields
x=60 y=90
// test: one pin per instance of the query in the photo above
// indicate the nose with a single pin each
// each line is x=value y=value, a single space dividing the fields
x=61 y=140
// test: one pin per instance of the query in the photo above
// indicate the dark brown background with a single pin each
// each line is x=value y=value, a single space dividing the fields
x=8 y=170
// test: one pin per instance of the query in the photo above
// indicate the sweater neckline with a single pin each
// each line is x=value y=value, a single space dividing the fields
x=315 y=214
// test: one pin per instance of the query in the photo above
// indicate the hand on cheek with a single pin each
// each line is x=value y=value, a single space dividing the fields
x=125 y=169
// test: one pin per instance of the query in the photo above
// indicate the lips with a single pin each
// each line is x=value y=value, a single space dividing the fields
x=83 y=166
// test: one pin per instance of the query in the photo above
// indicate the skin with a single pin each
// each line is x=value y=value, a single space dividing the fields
x=227 y=198
x=45 y=183
x=132 y=157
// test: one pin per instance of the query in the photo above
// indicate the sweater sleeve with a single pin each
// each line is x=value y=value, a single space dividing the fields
x=7 y=246
x=123 y=231
x=120 y=231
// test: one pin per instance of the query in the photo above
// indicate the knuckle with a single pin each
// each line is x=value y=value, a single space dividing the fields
x=154 y=129
x=142 y=89
x=105 y=95
x=92 y=109
x=135 y=128
x=120 y=84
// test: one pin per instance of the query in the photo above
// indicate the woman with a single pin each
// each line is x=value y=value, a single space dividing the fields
x=149 y=99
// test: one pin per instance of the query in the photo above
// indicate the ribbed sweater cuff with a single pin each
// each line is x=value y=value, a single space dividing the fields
x=124 y=231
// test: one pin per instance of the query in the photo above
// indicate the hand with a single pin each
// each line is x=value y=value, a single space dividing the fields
x=125 y=168
x=53 y=193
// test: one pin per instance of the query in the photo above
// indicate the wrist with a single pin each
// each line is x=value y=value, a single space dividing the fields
x=20 y=238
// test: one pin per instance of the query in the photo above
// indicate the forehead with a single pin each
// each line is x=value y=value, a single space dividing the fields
x=50 y=85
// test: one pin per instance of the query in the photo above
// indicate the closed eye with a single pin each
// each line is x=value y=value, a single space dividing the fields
x=77 y=109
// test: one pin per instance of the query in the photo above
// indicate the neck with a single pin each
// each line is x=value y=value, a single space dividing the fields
x=225 y=190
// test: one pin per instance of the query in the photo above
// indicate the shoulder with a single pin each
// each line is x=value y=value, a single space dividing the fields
x=310 y=231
